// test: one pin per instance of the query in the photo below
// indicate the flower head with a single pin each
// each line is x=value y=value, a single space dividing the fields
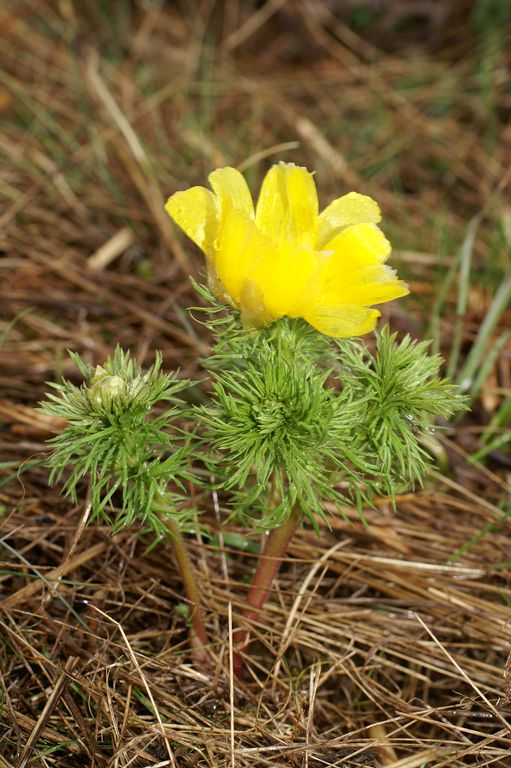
x=283 y=257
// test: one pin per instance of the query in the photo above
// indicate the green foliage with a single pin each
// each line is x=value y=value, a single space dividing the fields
x=402 y=395
x=490 y=17
x=115 y=440
x=276 y=426
x=298 y=420
x=294 y=421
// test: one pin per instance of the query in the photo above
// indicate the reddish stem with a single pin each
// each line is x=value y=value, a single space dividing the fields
x=198 y=635
x=267 y=569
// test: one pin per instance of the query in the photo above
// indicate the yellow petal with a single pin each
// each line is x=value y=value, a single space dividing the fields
x=353 y=273
x=195 y=211
x=238 y=247
x=253 y=309
x=349 y=209
x=284 y=274
x=343 y=322
x=372 y=285
x=360 y=245
x=231 y=188
x=287 y=208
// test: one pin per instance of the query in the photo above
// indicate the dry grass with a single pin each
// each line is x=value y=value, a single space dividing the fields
x=382 y=646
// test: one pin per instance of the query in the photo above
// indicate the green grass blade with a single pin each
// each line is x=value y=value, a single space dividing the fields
x=465 y=262
x=474 y=359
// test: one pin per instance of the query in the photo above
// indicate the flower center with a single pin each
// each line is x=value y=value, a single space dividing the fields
x=270 y=415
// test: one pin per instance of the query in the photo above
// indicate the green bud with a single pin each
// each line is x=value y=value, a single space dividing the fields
x=104 y=389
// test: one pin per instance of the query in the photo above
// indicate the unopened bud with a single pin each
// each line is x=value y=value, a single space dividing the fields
x=104 y=388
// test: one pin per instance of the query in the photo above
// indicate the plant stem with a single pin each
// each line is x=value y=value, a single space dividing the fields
x=198 y=635
x=267 y=568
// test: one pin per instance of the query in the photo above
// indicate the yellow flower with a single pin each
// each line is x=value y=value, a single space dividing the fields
x=286 y=258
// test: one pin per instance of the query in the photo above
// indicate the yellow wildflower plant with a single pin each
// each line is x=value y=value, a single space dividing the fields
x=283 y=257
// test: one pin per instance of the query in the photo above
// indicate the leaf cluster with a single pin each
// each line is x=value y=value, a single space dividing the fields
x=293 y=420
x=275 y=427
x=297 y=420
x=402 y=394
x=115 y=439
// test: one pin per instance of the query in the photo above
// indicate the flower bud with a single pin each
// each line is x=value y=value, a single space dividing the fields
x=105 y=388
